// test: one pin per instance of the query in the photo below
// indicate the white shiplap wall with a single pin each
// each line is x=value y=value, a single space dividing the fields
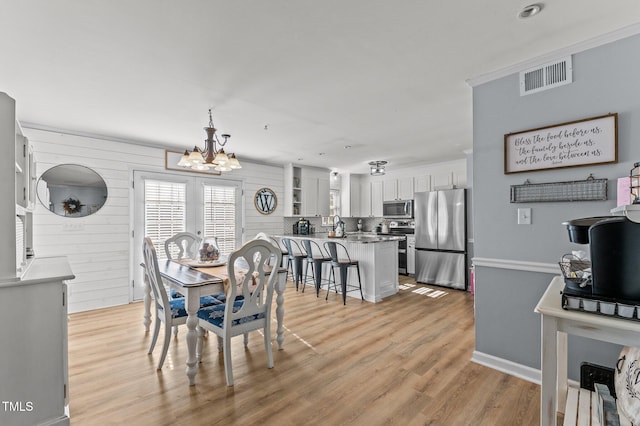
x=98 y=246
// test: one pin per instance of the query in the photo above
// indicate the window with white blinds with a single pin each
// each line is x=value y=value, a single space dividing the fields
x=220 y=215
x=164 y=211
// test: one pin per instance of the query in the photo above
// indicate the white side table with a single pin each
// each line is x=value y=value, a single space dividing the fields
x=557 y=323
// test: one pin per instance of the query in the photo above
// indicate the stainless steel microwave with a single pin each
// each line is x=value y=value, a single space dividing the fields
x=397 y=209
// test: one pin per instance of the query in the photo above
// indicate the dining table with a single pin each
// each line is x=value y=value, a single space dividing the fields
x=194 y=280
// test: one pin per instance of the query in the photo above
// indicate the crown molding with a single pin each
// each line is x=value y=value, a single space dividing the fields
x=600 y=40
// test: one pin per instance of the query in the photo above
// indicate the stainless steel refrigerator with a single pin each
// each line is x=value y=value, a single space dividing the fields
x=441 y=238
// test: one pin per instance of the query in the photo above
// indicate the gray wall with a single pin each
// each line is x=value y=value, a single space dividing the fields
x=606 y=79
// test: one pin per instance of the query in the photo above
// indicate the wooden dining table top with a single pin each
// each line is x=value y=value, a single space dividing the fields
x=186 y=275
x=189 y=276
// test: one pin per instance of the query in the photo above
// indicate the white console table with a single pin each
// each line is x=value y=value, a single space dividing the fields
x=557 y=323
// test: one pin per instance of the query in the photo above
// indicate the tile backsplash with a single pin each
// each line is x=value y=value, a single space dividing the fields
x=350 y=224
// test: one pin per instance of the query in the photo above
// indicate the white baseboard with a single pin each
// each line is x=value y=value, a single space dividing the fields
x=518 y=370
x=514 y=369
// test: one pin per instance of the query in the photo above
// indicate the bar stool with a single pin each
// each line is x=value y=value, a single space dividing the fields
x=274 y=242
x=340 y=259
x=295 y=256
x=316 y=258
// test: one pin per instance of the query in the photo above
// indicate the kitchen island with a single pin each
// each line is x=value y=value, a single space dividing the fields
x=378 y=258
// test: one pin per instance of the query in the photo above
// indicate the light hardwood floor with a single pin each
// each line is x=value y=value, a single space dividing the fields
x=404 y=361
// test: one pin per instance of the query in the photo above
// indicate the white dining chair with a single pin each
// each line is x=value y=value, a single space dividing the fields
x=183 y=245
x=248 y=300
x=169 y=312
x=266 y=237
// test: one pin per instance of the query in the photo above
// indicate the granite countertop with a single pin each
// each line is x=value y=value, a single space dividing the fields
x=354 y=237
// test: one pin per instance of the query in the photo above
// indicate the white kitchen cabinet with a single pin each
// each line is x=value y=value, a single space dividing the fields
x=376 y=198
x=350 y=195
x=314 y=192
x=405 y=188
x=365 y=199
x=322 y=206
x=398 y=189
x=389 y=189
x=447 y=180
x=422 y=184
x=306 y=191
x=354 y=196
x=309 y=196
x=292 y=191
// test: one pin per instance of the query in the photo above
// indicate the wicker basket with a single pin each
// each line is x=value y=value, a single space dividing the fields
x=574 y=269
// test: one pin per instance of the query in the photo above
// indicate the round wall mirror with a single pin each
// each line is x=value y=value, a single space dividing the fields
x=265 y=200
x=72 y=190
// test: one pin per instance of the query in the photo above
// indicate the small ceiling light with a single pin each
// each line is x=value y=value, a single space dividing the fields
x=347 y=146
x=335 y=175
x=377 y=167
x=531 y=10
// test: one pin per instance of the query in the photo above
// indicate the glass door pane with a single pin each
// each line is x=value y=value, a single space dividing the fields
x=222 y=212
x=164 y=212
x=167 y=203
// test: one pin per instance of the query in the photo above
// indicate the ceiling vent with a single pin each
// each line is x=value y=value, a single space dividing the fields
x=546 y=76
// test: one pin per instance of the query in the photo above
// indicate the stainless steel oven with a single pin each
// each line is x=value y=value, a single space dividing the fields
x=402 y=228
x=398 y=209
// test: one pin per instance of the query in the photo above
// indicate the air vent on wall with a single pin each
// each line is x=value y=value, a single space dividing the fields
x=546 y=76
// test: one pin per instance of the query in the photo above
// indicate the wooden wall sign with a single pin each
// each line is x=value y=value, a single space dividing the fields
x=576 y=143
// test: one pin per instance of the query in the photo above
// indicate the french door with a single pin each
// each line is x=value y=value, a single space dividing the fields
x=166 y=203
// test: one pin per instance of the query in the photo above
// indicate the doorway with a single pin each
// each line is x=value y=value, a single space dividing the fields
x=166 y=203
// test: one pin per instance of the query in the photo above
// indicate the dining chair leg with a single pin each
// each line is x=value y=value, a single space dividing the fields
x=228 y=372
x=220 y=344
x=246 y=339
x=267 y=346
x=165 y=345
x=175 y=331
x=154 y=338
x=199 y=342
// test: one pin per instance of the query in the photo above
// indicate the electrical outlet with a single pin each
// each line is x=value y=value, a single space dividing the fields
x=524 y=216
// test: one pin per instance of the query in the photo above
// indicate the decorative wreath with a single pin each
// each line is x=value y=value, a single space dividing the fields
x=72 y=205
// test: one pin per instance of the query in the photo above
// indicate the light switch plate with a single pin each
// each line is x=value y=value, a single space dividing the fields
x=524 y=216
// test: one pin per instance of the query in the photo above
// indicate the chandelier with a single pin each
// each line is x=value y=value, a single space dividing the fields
x=213 y=155
x=377 y=167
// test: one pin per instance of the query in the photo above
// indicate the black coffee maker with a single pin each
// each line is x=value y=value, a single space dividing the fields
x=303 y=227
x=614 y=247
